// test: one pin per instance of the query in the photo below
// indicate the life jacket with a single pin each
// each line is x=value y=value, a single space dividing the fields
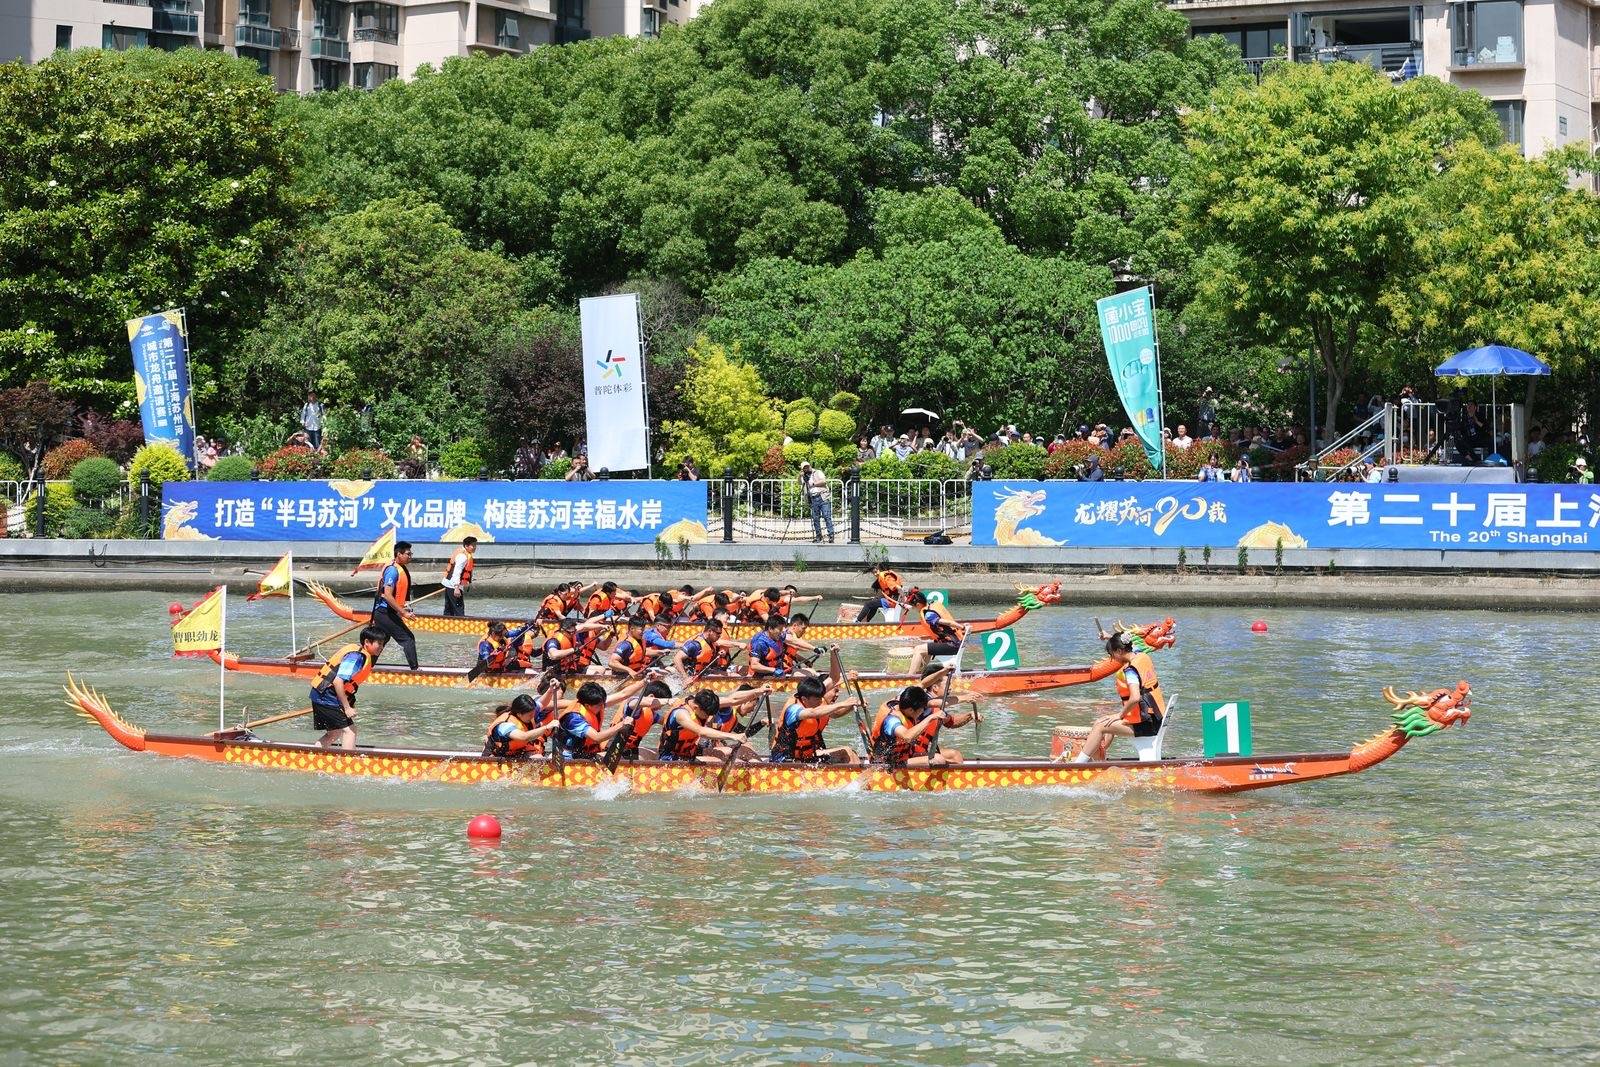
x=707 y=655
x=323 y=682
x=799 y=743
x=466 y=570
x=633 y=653
x=644 y=720
x=599 y=603
x=885 y=745
x=676 y=742
x=522 y=653
x=735 y=602
x=676 y=602
x=791 y=655
x=887 y=584
x=552 y=606
x=651 y=606
x=569 y=601
x=402 y=586
x=767 y=652
x=562 y=641
x=581 y=746
x=937 y=626
x=760 y=608
x=1151 y=702
x=499 y=648
x=505 y=747
x=704 y=609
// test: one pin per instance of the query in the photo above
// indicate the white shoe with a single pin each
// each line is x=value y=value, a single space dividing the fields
x=1082 y=757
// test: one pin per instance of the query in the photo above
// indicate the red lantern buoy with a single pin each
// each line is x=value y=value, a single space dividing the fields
x=1259 y=626
x=484 y=828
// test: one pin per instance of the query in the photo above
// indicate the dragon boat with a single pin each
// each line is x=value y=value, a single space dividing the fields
x=985 y=683
x=475 y=625
x=1415 y=715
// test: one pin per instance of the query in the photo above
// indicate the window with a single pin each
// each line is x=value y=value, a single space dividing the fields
x=507 y=30
x=63 y=38
x=1561 y=126
x=1257 y=41
x=254 y=13
x=372 y=75
x=328 y=20
x=649 y=22
x=329 y=74
x=1486 y=32
x=376 y=22
x=1509 y=112
x=262 y=59
x=121 y=38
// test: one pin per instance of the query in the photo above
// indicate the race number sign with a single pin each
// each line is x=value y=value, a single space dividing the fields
x=937 y=597
x=1225 y=728
x=1000 y=650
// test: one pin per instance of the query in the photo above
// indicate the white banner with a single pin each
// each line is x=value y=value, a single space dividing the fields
x=613 y=383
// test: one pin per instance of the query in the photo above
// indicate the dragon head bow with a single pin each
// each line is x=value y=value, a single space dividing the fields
x=1034 y=599
x=1421 y=714
x=1151 y=638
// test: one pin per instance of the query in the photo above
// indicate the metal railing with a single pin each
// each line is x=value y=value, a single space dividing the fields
x=289 y=39
x=372 y=34
x=250 y=36
x=329 y=48
x=779 y=509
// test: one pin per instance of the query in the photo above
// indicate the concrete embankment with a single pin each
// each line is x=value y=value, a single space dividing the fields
x=1132 y=577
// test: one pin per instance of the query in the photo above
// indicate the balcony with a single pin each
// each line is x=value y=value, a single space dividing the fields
x=289 y=40
x=1390 y=59
x=247 y=35
x=170 y=18
x=370 y=34
x=330 y=48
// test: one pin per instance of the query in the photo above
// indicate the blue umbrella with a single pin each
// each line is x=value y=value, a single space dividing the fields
x=1491 y=359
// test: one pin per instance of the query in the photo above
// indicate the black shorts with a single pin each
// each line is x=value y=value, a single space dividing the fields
x=326 y=718
x=944 y=648
x=1148 y=725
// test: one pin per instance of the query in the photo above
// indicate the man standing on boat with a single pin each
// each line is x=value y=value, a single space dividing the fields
x=458 y=576
x=333 y=691
x=800 y=738
x=391 y=608
x=1143 y=706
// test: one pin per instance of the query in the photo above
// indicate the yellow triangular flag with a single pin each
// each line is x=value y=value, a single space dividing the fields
x=200 y=631
x=380 y=554
x=276 y=583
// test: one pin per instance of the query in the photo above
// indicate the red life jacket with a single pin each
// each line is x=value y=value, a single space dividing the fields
x=506 y=747
x=552 y=607
x=676 y=742
x=709 y=656
x=799 y=743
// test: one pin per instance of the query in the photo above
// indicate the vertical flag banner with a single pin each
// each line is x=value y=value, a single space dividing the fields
x=1128 y=328
x=199 y=631
x=613 y=383
x=381 y=552
x=280 y=582
x=160 y=345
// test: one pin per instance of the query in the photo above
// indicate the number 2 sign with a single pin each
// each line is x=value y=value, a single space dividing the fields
x=1000 y=650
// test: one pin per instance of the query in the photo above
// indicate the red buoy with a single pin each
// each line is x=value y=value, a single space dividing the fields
x=174 y=608
x=484 y=828
x=1259 y=626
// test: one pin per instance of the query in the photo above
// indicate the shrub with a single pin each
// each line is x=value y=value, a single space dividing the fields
x=1186 y=462
x=825 y=456
x=800 y=425
x=58 y=505
x=555 y=469
x=85 y=522
x=774 y=464
x=935 y=465
x=258 y=436
x=342 y=431
x=161 y=461
x=116 y=439
x=461 y=459
x=1128 y=460
x=59 y=461
x=1554 y=462
x=795 y=453
x=1018 y=461
x=10 y=469
x=836 y=427
x=848 y=403
x=232 y=469
x=887 y=465
x=363 y=464
x=292 y=464
x=96 y=479
x=1065 y=461
x=805 y=403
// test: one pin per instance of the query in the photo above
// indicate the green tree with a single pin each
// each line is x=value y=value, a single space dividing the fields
x=731 y=420
x=1305 y=193
x=131 y=182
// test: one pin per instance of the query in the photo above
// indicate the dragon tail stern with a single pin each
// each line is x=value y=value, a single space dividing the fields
x=91 y=705
x=331 y=601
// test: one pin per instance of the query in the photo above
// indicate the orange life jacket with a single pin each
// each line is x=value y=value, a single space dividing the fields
x=644 y=720
x=599 y=603
x=799 y=743
x=526 y=650
x=637 y=655
x=704 y=609
x=506 y=747
x=402 y=588
x=676 y=742
x=709 y=654
x=466 y=570
x=499 y=648
x=586 y=744
x=888 y=747
x=569 y=601
x=1151 y=702
x=677 y=601
x=552 y=606
x=888 y=583
x=324 y=678
x=735 y=602
x=651 y=606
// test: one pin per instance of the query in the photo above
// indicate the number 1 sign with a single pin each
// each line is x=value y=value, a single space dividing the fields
x=1225 y=728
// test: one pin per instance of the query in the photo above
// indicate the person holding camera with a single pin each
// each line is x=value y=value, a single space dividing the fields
x=815 y=483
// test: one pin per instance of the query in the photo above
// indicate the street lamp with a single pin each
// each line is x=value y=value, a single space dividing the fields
x=1287 y=364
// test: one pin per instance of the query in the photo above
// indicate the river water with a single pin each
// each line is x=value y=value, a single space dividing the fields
x=1440 y=908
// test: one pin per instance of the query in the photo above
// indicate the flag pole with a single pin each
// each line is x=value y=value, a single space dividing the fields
x=294 y=641
x=1161 y=399
x=222 y=663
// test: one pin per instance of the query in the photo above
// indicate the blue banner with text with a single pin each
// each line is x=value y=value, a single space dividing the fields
x=531 y=512
x=1263 y=515
x=160 y=346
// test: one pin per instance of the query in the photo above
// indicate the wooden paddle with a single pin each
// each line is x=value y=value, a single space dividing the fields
x=268 y=721
x=733 y=753
x=303 y=653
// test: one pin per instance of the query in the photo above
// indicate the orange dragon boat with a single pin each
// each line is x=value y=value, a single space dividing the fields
x=475 y=626
x=1415 y=715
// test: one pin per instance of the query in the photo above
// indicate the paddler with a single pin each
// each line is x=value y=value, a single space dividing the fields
x=572 y=648
x=905 y=732
x=641 y=715
x=794 y=642
x=705 y=653
x=606 y=602
x=516 y=731
x=885 y=596
x=944 y=632
x=578 y=731
x=668 y=604
x=687 y=724
x=502 y=648
x=391 y=608
x=800 y=729
x=632 y=655
x=768 y=651
x=333 y=690
x=775 y=601
x=458 y=577
x=1143 y=706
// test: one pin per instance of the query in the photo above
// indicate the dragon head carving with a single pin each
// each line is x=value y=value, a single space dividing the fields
x=1151 y=638
x=1038 y=597
x=1421 y=714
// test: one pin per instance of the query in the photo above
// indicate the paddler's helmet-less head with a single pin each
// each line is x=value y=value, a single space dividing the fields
x=592 y=694
x=1119 y=646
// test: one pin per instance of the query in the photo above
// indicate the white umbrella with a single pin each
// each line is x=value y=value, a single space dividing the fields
x=931 y=416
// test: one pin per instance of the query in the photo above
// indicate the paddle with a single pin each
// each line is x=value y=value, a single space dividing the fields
x=733 y=753
x=269 y=721
x=702 y=671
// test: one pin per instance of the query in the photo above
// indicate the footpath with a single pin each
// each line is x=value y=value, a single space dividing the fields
x=972 y=575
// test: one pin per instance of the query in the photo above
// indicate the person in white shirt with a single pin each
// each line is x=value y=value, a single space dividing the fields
x=821 y=501
x=311 y=421
x=1241 y=471
x=458 y=577
x=1210 y=472
x=1182 y=439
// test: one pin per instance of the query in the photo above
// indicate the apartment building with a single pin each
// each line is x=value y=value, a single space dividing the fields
x=310 y=45
x=1537 y=61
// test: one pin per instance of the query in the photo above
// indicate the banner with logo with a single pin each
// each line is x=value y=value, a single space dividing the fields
x=1128 y=328
x=160 y=345
x=1259 y=516
x=613 y=383
x=532 y=512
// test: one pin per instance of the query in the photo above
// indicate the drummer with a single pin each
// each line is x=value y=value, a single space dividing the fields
x=1143 y=706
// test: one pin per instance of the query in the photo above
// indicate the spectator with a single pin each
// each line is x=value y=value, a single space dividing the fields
x=298 y=439
x=821 y=501
x=579 y=471
x=1210 y=472
x=971 y=443
x=1094 y=473
x=528 y=461
x=951 y=445
x=902 y=447
x=1055 y=446
x=1027 y=438
x=1408 y=397
x=417 y=454
x=865 y=452
x=1581 y=473
x=687 y=472
x=205 y=452
x=884 y=442
x=1206 y=419
x=1182 y=439
x=1241 y=470
x=311 y=420
x=555 y=453
x=1535 y=441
